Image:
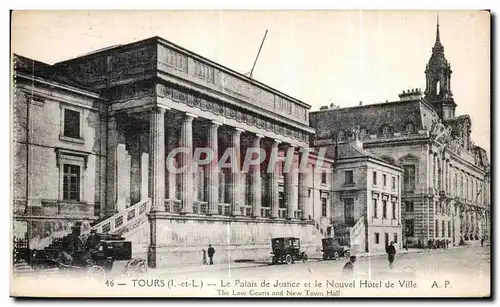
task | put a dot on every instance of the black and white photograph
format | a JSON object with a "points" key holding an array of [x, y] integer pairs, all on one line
{"points": [[250, 153]]}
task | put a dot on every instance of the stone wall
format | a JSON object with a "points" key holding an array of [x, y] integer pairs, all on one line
{"points": [[180, 239]]}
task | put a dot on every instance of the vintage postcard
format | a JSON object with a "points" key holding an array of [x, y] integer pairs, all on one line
{"points": [[250, 154]]}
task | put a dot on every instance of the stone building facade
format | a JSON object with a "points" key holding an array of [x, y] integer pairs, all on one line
{"points": [[97, 138], [367, 197], [445, 182]]}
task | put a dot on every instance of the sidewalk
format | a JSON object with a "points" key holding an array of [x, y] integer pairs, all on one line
{"points": [[313, 258], [204, 268], [412, 251]]}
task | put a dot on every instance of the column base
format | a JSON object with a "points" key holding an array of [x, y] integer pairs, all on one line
{"points": [[152, 256], [157, 209]]}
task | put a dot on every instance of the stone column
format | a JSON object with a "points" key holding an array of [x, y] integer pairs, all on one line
{"points": [[186, 142], [235, 173], [152, 241], [432, 170], [291, 184], [256, 181], [111, 166], [273, 182], [135, 171], [213, 170], [157, 159], [304, 194]]}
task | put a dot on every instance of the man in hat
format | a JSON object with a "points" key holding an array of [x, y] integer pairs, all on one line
{"points": [[391, 252], [211, 252], [348, 270]]}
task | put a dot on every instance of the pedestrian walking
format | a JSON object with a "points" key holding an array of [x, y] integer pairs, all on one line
{"points": [[391, 252], [204, 257], [211, 252], [348, 270]]}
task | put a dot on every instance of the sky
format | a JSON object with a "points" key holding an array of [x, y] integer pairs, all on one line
{"points": [[319, 57]]}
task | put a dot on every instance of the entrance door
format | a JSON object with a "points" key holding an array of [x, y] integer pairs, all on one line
{"points": [[349, 212]]}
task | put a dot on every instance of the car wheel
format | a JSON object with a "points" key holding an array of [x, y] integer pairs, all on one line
{"points": [[336, 255], [304, 258], [288, 259], [96, 271], [325, 256]]}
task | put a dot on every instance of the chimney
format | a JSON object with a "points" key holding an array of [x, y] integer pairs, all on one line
{"points": [[411, 94]]}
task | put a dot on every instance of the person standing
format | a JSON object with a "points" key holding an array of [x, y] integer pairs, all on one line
{"points": [[348, 270], [211, 252], [204, 257], [391, 252]]}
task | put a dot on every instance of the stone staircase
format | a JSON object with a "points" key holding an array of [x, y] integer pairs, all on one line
{"points": [[355, 235], [125, 221]]}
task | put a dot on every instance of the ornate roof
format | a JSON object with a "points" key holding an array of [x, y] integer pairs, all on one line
{"points": [[369, 119]]}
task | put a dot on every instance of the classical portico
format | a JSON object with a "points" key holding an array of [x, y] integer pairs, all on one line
{"points": [[164, 122]]}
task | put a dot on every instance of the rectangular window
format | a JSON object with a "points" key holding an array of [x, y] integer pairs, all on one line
{"points": [[374, 178], [394, 183], [461, 186], [449, 229], [442, 229], [71, 182], [384, 208], [395, 238], [409, 177], [71, 123], [348, 177], [384, 180], [437, 228], [455, 182], [410, 228], [375, 209], [394, 210], [323, 206], [323, 177], [386, 239], [409, 206], [377, 238]]}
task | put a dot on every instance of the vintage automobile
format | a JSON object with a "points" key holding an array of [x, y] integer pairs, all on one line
{"points": [[333, 248], [287, 250]]}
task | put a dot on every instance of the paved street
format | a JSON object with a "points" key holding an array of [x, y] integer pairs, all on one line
{"points": [[471, 260], [462, 271]]}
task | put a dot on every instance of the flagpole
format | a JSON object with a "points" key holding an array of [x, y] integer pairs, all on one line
{"points": [[257, 57]]}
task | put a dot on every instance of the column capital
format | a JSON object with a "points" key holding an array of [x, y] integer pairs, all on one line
{"points": [[190, 116], [216, 123], [159, 109], [258, 135], [236, 129], [276, 141]]}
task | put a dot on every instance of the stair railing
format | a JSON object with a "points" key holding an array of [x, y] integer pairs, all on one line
{"points": [[123, 219], [357, 227]]}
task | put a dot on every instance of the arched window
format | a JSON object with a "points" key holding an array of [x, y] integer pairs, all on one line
{"points": [[410, 128], [385, 130], [438, 87], [362, 133]]}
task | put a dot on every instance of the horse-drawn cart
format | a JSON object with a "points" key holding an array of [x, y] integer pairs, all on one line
{"points": [[92, 256]]}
